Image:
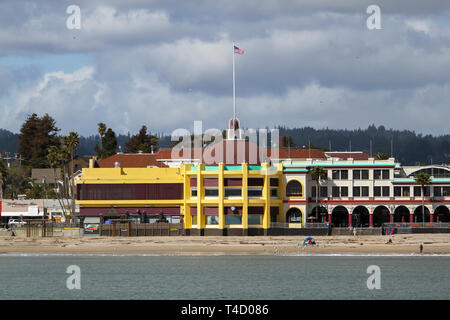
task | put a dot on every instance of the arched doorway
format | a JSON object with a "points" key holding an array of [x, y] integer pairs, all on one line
{"points": [[380, 216], [360, 217], [442, 214], [418, 217], [294, 215], [323, 212], [339, 217], [401, 214]]}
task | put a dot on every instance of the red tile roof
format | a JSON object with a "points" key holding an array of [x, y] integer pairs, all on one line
{"points": [[131, 160], [211, 155]]}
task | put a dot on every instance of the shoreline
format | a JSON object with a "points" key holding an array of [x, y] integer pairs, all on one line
{"points": [[402, 244]]}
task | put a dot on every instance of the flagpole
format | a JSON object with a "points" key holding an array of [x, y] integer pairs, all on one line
{"points": [[234, 92]]}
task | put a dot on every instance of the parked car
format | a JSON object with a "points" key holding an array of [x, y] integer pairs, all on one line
{"points": [[16, 222]]}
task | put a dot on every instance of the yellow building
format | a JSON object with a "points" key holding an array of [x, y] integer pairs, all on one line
{"points": [[208, 200]]}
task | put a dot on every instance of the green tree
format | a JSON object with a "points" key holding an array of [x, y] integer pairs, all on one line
{"points": [[55, 158], [423, 179], [69, 147], [141, 142], [382, 156], [3, 176], [318, 173], [36, 136], [108, 142], [17, 182]]}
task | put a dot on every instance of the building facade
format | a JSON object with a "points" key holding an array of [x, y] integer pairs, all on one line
{"points": [[241, 199]]}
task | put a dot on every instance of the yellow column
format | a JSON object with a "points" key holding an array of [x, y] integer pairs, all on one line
{"points": [[221, 197], [266, 194], [187, 195], [280, 217], [200, 196], [244, 196]]}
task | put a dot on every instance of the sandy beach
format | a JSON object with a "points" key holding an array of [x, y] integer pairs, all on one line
{"points": [[401, 244]]}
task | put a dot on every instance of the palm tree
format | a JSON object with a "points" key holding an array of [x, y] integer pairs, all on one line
{"points": [[423, 179], [318, 173], [70, 144], [54, 160], [101, 129]]}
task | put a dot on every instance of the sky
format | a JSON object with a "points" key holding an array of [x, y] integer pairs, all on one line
{"points": [[165, 64]]}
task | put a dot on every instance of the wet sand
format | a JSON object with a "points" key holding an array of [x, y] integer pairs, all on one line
{"points": [[401, 244]]}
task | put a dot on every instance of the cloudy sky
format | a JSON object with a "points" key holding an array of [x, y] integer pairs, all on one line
{"points": [[167, 63]]}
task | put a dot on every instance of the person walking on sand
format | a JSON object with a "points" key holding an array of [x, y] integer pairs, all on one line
{"points": [[354, 231], [421, 248]]}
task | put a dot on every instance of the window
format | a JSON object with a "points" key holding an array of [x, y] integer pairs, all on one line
{"points": [[446, 191], [377, 174], [344, 191], [356, 174], [194, 220], [437, 191], [335, 192], [335, 174], [386, 192], [364, 191], [254, 219], [406, 191], [274, 192], [233, 219], [356, 191], [213, 220], [194, 192], [255, 192], [323, 192], [417, 192], [294, 189], [211, 192], [233, 192], [386, 174], [365, 174], [339, 174], [377, 191], [401, 192]]}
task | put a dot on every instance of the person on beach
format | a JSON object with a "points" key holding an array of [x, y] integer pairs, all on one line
{"points": [[421, 248]]}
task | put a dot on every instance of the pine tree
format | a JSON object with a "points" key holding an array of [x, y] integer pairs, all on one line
{"points": [[141, 142], [36, 136]]}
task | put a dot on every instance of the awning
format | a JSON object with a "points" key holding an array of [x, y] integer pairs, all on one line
{"points": [[92, 220]]}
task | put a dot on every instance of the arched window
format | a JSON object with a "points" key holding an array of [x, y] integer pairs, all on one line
{"points": [[294, 189], [294, 215]]}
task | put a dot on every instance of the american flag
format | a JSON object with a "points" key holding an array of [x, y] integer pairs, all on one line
{"points": [[238, 51]]}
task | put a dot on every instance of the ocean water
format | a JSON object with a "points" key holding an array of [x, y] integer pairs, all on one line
{"points": [[224, 277]]}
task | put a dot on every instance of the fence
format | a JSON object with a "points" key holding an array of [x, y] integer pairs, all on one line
{"points": [[132, 229], [417, 225], [39, 228], [298, 225]]}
